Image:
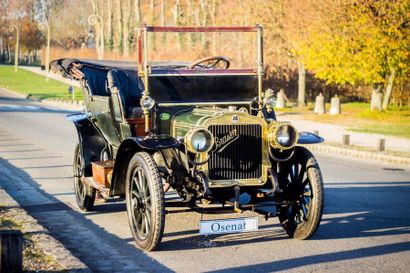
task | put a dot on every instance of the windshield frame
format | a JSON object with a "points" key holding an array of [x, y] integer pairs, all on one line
{"points": [[145, 71]]}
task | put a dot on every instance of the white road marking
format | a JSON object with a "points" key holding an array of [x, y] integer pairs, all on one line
{"points": [[31, 107], [9, 106], [25, 107], [50, 108]]}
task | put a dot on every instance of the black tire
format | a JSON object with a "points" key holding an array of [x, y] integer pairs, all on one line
{"points": [[145, 201], [84, 195], [301, 181]]}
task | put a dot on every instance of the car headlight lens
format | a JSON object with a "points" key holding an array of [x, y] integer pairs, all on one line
{"points": [[199, 140], [147, 102], [282, 136]]}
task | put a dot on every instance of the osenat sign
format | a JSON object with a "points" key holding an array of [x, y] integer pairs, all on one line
{"points": [[228, 225]]}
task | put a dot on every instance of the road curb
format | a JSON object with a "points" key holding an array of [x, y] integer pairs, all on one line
{"points": [[47, 243], [384, 157]]}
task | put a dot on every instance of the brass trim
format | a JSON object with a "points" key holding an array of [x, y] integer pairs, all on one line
{"points": [[272, 132], [244, 119], [188, 138], [260, 64]]}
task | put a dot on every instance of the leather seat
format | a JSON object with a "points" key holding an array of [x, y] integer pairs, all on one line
{"points": [[129, 87]]}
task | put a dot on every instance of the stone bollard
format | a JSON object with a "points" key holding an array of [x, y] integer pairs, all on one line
{"points": [[281, 103], [346, 140], [11, 251], [381, 145], [376, 102], [335, 106], [320, 105]]}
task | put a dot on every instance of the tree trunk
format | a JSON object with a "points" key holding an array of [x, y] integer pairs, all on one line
{"points": [[163, 21], [137, 23], [376, 101], [204, 22], [99, 31], [177, 21], [240, 51], [137, 10], [117, 26], [213, 14], [389, 89], [152, 20], [110, 39], [8, 54], [301, 85], [126, 10], [190, 21]]}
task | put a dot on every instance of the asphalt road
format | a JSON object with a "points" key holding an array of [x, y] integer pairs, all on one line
{"points": [[365, 228]]}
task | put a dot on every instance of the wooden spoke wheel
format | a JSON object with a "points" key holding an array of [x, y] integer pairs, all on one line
{"points": [[302, 184], [145, 201], [84, 195]]}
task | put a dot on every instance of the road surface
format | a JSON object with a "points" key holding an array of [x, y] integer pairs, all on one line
{"points": [[365, 227]]}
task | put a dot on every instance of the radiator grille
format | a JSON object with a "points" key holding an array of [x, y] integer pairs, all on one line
{"points": [[240, 157]]}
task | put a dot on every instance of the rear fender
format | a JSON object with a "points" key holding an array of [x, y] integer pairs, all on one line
{"points": [[126, 151], [309, 138], [92, 143]]}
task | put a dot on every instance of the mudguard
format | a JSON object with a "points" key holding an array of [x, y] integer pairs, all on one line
{"points": [[127, 150], [92, 143], [309, 138]]}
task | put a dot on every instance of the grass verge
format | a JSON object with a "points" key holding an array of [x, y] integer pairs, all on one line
{"points": [[33, 85], [358, 117]]}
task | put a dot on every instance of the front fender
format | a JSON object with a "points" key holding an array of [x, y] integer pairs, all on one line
{"points": [[309, 138], [126, 151], [92, 143]]}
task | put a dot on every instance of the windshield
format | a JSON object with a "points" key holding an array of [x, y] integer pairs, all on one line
{"points": [[201, 48]]}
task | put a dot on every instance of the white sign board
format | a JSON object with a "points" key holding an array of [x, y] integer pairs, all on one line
{"points": [[233, 225]]}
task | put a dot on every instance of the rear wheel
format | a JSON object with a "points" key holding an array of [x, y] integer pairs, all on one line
{"points": [[84, 195], [145, 201], [302, 184]]}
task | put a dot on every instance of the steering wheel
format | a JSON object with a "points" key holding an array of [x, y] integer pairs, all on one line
{"points": [[212, 62]]}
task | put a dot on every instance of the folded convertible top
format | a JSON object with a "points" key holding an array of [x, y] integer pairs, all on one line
{"points": [[69, 67]]}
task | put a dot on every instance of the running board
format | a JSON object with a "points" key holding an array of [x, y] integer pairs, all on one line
{"points": [[89, 181]]}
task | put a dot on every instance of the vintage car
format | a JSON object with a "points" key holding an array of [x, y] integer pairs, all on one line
{"points": [[203, 129]]}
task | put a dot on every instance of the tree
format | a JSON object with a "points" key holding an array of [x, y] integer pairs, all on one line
{"points": [[356, 41], [31, 37]]}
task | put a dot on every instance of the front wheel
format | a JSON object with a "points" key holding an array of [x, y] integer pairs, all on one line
{"points": [[145, 201], [302, 184], [84, 195]]}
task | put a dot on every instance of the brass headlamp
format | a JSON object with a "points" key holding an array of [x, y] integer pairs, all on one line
{"points": [[282, 136], [199, 140]]}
